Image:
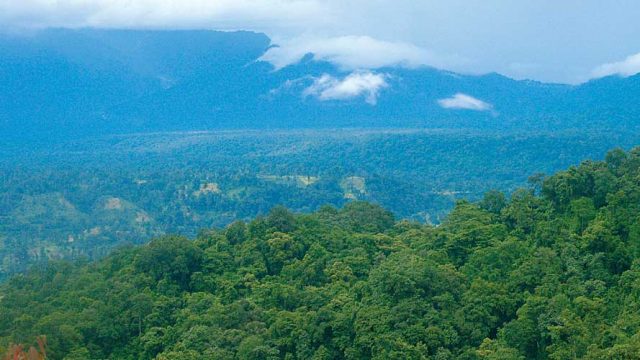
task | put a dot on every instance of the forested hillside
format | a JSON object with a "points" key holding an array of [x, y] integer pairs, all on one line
{"points": [[551, 273], [83, 199]]}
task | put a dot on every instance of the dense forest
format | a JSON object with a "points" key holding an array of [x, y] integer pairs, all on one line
{"points": [[83, 198], [552, 272]]}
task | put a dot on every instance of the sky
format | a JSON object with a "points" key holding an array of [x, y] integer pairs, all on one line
{"points": [[567, 41]]}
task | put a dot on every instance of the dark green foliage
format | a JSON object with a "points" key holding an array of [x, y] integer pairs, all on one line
{"points": [[365, 217], [83, 198], [494, 201], [171, 259], [550, 276]]}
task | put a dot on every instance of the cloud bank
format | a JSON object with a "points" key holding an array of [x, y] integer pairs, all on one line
{"points": [[357, 84], [191, 14], [355, 52], [627, 67], [464, 102], [560, 41]]}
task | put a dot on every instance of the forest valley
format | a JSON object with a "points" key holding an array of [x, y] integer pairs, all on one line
{"points": [[550, 272]]}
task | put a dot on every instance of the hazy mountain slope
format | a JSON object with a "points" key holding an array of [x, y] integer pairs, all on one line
{"points": [[62, 83]]}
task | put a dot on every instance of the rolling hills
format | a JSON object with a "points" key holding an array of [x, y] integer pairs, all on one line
{"points": [[552, 273]]}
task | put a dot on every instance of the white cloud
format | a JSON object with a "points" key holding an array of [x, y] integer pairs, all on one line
{"points": [[354, 52], [287, 22], [218, 14], [356, 84], [627, 67], [464, 102], [469, 36]]}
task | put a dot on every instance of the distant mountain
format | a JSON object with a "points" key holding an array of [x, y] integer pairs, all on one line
{"points": [[71, 83]]}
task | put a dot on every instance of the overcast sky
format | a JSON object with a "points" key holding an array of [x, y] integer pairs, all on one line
{"points": [[548, 40]]}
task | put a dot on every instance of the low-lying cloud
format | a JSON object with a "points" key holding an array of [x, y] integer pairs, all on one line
{"points": [[464, 102], [355, 52], [357, 84], [627, 67], [467, 36]]}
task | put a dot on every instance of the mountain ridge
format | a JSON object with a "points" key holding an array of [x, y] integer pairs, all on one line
{"points": [[94, 82]]}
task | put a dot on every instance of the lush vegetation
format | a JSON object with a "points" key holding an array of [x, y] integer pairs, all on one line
{"points": [[551, 273], [83, 198]]}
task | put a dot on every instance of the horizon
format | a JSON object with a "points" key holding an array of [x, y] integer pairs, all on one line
{"points": [[319, 179], [588, 39], [310, 55]]}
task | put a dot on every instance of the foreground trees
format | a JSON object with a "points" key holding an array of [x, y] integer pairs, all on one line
{"points": [[554, 276]]}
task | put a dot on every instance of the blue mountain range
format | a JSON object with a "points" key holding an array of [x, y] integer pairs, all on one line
{"points": [[61, 84]]}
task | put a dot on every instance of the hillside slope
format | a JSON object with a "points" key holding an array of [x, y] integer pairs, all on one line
{"points": [[53, 201], [549, 276]]}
